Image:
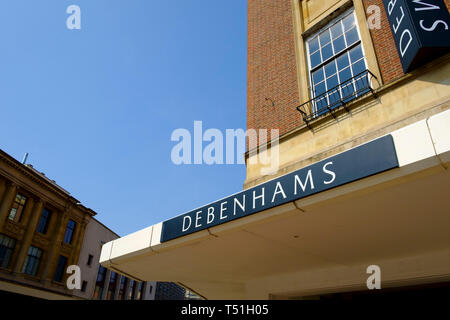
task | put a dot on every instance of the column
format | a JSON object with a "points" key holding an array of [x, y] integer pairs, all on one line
{"points": [[116, 291], [2, 188], [57, 234], [7, 202], [136, 290], [127, 289], [29, 233], [145, 291], [106, 284], [79, 237]]}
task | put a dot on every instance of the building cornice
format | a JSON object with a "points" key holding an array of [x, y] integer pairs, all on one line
{"points": [[42, 181]]}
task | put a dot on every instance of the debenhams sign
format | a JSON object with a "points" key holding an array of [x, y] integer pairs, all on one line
{"points": [[363, 161], [420, 28]]}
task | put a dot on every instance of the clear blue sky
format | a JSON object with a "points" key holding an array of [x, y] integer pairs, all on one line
{"points": [[95, 107]]}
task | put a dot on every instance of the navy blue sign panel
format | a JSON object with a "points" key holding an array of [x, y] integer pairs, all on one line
{"points": [[421, 30], [363, 161]]}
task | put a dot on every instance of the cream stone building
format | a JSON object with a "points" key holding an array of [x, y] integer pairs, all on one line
{"points": [[41, 231], [364, 153]]}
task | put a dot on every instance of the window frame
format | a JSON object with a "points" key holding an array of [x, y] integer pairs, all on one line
{"points": [[6, 250], [45, 222], [71, 230], [334, 57], [30, 261], [99, 283], [131, 293], [140, 294], [18, 217], [84, 286], [123, 288], [90, 259], [112, 285], [60, 269]]}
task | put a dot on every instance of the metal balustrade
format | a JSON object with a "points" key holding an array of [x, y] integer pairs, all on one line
{"points": [[337, 97]]}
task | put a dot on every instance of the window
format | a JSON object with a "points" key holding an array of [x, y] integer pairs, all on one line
{"points": [[69, 231], [7, 245], [15, 214], [90, 257], [335, 57], [123, 286], [44, 221], [60, 269], [111, 286], [32, 262], [100, 283], [140, 293], [132, 290], [84, 286]]}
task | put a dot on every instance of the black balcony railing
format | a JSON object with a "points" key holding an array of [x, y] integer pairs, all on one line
{"points": [[337, 97]]}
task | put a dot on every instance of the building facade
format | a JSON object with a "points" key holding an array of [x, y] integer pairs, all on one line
{"points": [[44, 230], [41, 231], [360, 93], [99, 283]]}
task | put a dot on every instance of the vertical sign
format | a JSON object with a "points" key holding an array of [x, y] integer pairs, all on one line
{"points": [[420, 29]]}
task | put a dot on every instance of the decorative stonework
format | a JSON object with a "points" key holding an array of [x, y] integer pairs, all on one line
{"points": [[14, 229], [66, 248], [41, 240]]}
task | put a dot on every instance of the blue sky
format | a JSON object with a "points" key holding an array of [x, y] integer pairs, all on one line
{"points": [[95, 107]]}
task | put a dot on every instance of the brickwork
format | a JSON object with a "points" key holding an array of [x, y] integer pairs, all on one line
{"points": [[272, 67]]}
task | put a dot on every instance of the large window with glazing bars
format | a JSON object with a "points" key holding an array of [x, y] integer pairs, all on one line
{"points": [[15, 214], [32, 262], [335, 61]]}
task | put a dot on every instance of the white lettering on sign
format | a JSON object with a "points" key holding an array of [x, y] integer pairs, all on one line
{"points": [[399, 21], [185, 228], [197, 219], [222, 210], [304, 185], [391, 6], [240, 204], [433, 27], [403, 47], [426, 6], [331, 173], [279, 193], [210, 215], [278, 190], [255, 197]]}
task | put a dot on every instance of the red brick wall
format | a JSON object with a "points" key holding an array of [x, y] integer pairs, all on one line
{"points": [[271, 67], [385, 49]]}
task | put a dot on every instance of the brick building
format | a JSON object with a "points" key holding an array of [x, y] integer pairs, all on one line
{"points": [[359, 91]]}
